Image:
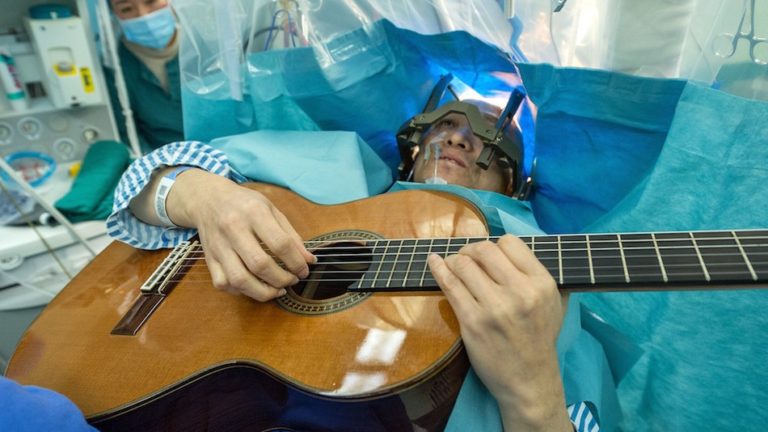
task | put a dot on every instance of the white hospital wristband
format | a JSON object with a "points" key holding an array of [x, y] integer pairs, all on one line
{"points": [[161, 194]]}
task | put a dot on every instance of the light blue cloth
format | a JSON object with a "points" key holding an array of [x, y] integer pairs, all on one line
{"points": [[706, 366], [309, 163], [592, 126], [619, 153], [316, 160]]}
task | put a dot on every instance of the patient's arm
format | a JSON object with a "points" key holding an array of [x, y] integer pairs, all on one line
{"points": [[510, 313], [231, 221]]}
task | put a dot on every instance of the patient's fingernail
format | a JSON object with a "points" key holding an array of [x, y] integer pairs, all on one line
{"points": [[304, 273]]}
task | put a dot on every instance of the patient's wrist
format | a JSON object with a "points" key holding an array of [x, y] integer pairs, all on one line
{"points": [[193, 191], [549, 414], [536, 402], [165, 184]]}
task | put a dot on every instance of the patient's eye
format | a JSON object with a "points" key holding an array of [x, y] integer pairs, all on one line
{"points": [[446, 123]]}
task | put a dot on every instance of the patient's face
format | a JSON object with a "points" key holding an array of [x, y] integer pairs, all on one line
{"points": [[460, 149]]}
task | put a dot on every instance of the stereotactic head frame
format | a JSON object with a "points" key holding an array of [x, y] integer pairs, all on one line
{"points": [[502, 144]]}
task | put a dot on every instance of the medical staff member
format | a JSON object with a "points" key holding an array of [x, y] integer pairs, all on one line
{"points": [[148, 52], [35, 409], [507, 304]]}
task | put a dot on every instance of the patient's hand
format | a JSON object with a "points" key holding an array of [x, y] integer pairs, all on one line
{"points": [[232, 221], [510, 313]]}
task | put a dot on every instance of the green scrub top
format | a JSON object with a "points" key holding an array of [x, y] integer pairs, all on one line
{"points": [[157, 113]]}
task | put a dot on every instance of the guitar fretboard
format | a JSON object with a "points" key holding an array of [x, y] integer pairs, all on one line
{"points": [[634, 261]]}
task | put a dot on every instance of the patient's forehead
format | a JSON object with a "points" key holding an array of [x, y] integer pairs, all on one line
{"points": [[490, 111], [486, 108]]}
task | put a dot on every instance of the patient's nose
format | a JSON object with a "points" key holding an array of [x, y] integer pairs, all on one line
{"points": [[460, 138]]}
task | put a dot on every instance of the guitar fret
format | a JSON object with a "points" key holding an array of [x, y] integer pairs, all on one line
{"points": [[424, 270], [722, 256], [394, 264], [756, 246], [455, 244], [560, 260], [412, 245], [421, 251], [642, 265], [382, 258], [589, 257], [576, 267], [661, 262], [360, 281], [605, 254], [623, 259], [744, 255], [679, 254], [546, 252], [701, 258]]}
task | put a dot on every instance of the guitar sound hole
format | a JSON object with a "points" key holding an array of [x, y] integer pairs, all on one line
{"points": [[338, 266]]}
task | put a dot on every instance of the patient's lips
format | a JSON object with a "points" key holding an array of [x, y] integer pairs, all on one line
{"points": [[446, 156]]}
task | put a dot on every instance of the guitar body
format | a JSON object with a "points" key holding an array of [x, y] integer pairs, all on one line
{"points": [[208, 360]]}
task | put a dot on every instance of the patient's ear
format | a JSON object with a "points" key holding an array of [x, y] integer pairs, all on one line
{"points": [[509, 177]]}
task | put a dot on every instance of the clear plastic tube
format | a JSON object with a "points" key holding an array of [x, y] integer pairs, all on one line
{"points": [[433, 148]]}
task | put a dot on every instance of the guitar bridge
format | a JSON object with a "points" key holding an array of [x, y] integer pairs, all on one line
{"points": [[160, 282], [155, 289]]}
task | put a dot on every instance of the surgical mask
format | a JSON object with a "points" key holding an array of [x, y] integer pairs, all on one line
{"points": [[153, 30]]}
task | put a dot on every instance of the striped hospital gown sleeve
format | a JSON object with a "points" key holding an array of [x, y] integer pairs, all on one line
{"points": [[124, 226], [582, 418]]}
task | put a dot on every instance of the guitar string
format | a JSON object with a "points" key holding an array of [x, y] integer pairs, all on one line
{"points": [[594, 238], [198, 254], [618, 271], [750, 248], [565, 240], [418, 260], [406, 277], [540, 247], [419, 255], [636, 273], [430, 281]]}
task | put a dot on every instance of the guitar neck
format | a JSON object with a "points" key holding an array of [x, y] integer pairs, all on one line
{"points": [[596, 262]]}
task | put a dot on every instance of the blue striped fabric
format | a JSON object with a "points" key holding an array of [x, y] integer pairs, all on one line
{"points": [[582, 418], [124, 226]]}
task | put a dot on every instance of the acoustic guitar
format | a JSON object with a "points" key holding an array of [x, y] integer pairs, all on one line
{"points": [[141, 341]]}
